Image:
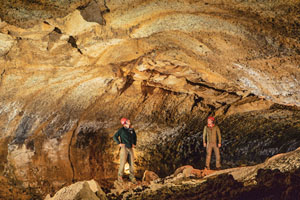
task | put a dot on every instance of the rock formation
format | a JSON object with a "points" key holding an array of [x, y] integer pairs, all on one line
{"points": [[69, 70], [277, 178], [149, 176], [84, 190]]}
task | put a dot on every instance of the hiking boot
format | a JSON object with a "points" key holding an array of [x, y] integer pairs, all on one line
{"points": [[132, 179], [120, 178]]}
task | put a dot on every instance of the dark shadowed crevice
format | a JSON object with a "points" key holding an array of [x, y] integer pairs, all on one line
{"points": [[57, 30], [197, 100], [107, 10], [209, 87], [1, 77], [72, 41], [30, 145], [226, 108], [212, 108], [69, 152], [146, 90], [129, 81]]}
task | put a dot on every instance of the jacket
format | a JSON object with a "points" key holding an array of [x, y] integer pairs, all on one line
{"points": [[127, 136], [211, 135]]}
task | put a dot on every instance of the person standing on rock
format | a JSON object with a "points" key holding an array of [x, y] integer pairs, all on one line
{"points": [[212, 141], [126, 139]]}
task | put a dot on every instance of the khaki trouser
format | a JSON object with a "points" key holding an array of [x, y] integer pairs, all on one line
{"points": [[126, 154], [209, 149]]}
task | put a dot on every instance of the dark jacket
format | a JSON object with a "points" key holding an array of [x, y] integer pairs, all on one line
{"points": [[126, 135]]}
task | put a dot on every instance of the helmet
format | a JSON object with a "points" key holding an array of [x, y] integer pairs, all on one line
{"points": [[211, 118], [123, 121]]}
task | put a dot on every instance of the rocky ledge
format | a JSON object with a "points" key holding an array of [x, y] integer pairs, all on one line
{"points": [[276, 178]]}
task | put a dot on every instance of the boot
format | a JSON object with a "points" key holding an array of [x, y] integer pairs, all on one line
{"points": [[132, 179], [120, 178]]}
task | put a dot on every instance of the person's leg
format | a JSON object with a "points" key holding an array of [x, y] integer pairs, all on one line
{"points": [[208, 155], [218, 158], [123, 159], [131, 164]]}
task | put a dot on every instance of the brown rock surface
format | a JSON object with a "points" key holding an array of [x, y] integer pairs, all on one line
{"points": [[149, 176], [181, 169], [67, 77], [84, 190], [277, 178], [189, 171]]}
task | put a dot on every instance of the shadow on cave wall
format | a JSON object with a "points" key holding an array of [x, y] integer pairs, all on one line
{"points": [[91, 155]]}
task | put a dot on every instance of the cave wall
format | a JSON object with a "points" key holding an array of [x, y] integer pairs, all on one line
{"points": [[68, 76]]}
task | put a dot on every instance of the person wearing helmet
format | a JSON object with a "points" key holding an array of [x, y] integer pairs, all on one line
{"points": [[125, 137], [212, 141]]}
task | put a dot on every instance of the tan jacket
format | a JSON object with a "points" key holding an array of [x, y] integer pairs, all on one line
{"points": [[211, 135]]}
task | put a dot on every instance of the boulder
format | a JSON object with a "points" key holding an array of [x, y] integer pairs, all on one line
{"points": [[83, 190], [189, 171], [6, 42], [181, 169], [149, 176]]}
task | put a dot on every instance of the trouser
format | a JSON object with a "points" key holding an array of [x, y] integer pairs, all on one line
{"points": [[126, 154], [209, 149]]}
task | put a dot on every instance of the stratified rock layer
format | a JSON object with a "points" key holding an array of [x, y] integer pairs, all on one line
{"points": [[67, 76]]}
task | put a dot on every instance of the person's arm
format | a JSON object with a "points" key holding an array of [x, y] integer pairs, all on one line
{"points": [[134, 138], [116, 136], [219, 137], [204, 136]]}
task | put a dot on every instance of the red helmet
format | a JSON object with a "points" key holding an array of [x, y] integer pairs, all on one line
{"points": [[123, 121], [211, 118]]}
